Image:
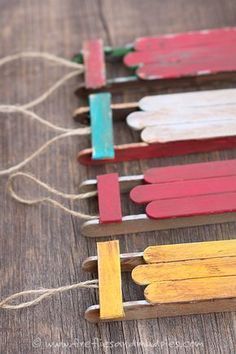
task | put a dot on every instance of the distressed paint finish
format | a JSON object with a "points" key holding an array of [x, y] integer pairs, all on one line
{"points": [[101, 126], [109, 273], [198, 268], [189, 290], [184, 54], [109, 198], [94, 62], [189, 251]]}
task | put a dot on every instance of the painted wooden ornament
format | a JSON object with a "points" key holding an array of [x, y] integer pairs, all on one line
{"points": [[170, 124], [161, 58], [172, 197], [181, 279]]}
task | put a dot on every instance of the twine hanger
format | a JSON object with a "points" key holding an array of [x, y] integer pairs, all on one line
{"points": [[43, 294], [24, 109]]}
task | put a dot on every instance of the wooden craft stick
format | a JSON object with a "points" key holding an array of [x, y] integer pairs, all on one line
{"points": [[181, 189], [192, 206], [190, 171], [94, 61], [109, 198], [190, 251], [196, 99], [187, 269], [194, 131], [186, 39], [189, 54], [139, 151], [182, 116], [101, 126], [142, 223], [109, 272], [138, 310], [189, 290]]}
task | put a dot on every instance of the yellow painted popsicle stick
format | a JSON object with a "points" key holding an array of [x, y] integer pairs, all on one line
{"points": [[215, 267], [187, 251], [190, 290], [109, 272]]}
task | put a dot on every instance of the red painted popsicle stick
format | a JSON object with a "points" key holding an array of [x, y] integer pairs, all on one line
{"points": [[109, 198], [150, 192], [191, 172], [94, 62], [140, 151], [186, 40], [192, 206], [185, 54]]}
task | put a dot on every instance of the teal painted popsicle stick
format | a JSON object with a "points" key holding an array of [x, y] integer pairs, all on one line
{"points": [[101, 126]]}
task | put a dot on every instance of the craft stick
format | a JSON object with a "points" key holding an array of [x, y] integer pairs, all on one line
{"points": [[182, 189], [189, 206], [101, 126], [185, 55], [194, 131], [127, 260], [109, 272], [142, 151], [94, 61], [190, 251], [187, 290], [169, 253], [138, 310], [109, 198], [126, 184], [187, 269], [193, 171], [186, 39], [119, 111], [184, 116], [142, 223], [195, 99]]}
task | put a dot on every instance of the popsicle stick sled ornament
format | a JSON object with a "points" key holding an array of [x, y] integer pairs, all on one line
{"points": [[170, 124], [160, 59], [172, 197], [181, 279]]}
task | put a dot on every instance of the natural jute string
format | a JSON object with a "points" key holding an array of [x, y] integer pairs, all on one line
{"points": [[24, 109], [45, 293], [49, 200]]}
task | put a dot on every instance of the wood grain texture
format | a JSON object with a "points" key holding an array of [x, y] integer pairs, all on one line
{"points": [[109, 276], [43, 247]]}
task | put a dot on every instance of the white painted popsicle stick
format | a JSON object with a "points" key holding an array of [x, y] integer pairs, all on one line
{"points": [[194, 131], [183, 115], [188, 99]]}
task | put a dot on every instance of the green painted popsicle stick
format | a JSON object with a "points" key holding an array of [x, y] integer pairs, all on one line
{"points": [[101, 126]]}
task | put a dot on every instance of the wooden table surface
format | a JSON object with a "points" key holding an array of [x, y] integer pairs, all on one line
{"points": [[42, 246]]}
